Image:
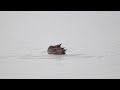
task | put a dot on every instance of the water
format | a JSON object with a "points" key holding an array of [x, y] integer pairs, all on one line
{"points": [[36, 63], [92, 40]]}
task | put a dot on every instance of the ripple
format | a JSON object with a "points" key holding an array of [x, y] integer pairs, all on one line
{"points": [[42, 54], [52, 56]]}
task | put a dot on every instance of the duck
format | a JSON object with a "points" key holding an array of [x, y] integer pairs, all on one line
{"points": [[56, 49]]}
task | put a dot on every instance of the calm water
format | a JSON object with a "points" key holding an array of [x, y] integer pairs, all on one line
{"points": [[32, 62], [92, 40]]}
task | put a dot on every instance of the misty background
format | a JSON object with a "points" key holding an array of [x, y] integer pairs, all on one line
{"points": [[93, 36]]}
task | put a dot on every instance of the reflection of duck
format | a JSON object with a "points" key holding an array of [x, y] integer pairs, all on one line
{"points": [[56, 49]]}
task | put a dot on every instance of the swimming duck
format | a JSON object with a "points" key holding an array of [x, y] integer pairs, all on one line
{"points": [[56, 49]]}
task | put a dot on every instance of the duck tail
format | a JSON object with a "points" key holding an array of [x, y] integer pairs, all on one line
{"points": [[60, 44]]}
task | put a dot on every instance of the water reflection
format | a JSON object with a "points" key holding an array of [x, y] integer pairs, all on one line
{"points": [[57, 57], [42, 54]]}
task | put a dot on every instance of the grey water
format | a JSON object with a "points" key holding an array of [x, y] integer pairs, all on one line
{"points": [[92, 40]]}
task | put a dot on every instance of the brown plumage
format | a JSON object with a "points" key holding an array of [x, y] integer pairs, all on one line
{"points": [[56, 49]]}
